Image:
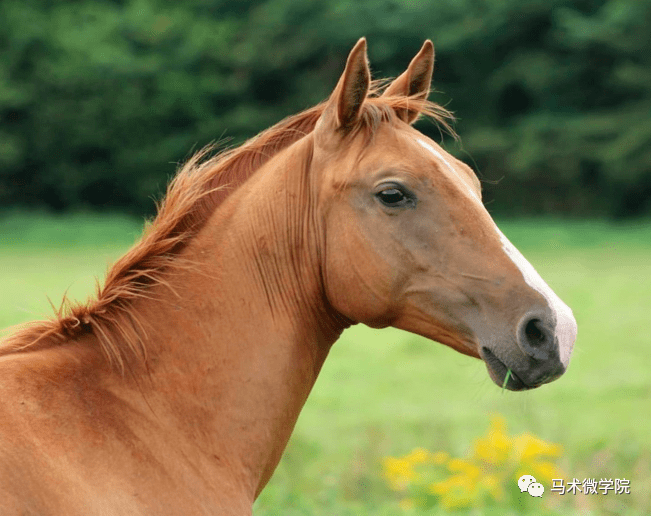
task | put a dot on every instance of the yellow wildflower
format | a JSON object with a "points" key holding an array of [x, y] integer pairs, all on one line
{"points": [[465, 467], [530, 447], [398, 472], [496, 446], [418, 456], [456, 492], [485, 477]]}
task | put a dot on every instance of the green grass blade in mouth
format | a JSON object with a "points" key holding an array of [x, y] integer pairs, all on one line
{"points": [[506, 379]]}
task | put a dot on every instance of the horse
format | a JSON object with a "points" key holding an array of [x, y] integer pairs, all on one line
{"points": [[175, 388]]}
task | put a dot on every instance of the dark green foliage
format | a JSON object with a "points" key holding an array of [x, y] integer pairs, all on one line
{"points": [[100, 99]]}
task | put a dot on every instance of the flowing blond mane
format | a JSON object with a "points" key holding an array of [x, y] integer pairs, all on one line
{"points": [[192, 196]]}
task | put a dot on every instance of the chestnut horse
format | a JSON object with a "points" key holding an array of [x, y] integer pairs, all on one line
{"points": [[175, 389]]}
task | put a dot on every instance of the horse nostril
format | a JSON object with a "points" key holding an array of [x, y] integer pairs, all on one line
{"points": [[535, 339], [534, 332]]}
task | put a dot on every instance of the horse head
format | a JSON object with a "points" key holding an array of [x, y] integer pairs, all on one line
{"points": [[408, 242]]}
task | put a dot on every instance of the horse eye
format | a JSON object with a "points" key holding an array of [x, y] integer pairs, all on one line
{"points": [[392, 197]]}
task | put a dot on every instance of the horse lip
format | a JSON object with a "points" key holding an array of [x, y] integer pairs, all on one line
{"points": [[498, 370]]}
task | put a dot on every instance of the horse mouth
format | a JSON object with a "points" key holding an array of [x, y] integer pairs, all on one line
{"points": [[498, 371]]}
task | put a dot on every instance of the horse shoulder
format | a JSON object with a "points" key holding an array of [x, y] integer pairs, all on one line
{"points": [[49, 451], [72, 443]]}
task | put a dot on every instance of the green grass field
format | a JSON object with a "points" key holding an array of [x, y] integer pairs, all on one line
{"points": [[386, 392]]}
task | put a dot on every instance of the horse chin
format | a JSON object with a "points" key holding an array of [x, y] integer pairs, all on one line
{"points": [[498, 370]]}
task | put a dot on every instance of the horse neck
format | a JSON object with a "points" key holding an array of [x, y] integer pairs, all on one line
{"points": [[237, 340]]}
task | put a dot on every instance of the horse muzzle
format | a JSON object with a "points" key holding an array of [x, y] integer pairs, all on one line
{"points": [[541, 355]]}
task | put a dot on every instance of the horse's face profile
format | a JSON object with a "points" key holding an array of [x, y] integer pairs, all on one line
{"points": [[404, 223]]}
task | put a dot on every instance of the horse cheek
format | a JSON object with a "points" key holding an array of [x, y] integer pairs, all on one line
{"points": [[358, 281]]}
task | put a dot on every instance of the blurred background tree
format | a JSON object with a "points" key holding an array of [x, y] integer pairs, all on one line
{"points": [[99, 100]]}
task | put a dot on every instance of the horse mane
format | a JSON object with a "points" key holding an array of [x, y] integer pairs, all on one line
{"points": [[196, 191]]}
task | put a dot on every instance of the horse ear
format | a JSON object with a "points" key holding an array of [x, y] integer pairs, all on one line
{"points": [[350, 92], [415, 81]]}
